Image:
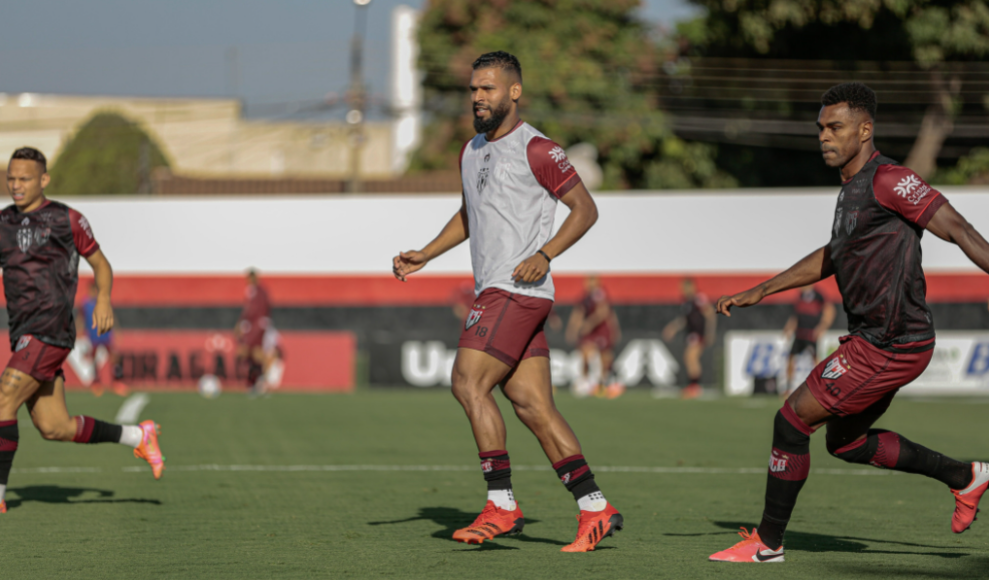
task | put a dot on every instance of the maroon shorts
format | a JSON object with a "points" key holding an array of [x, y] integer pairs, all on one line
{"points": [[43, 362], [858, 375], [507, 326], [251, 333], [599, 337]]}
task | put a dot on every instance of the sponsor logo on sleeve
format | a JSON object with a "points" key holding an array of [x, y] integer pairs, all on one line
{"points": [[912, 189], [560, 158], [84, 224]]}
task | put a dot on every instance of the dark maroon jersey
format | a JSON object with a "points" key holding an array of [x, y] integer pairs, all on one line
{"points": [[591, 302], [39, 254], [808, 309], [257, 307], [875, 247], [693, 312]]}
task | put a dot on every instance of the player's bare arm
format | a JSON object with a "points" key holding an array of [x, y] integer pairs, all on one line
{"points": [[583, 215], [815, 267], [103, 312], [454, 233], [673, 327], [575, 324], [950, 226]]}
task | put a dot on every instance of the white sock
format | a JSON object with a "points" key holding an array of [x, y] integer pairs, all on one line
{"points": [[3, 490], [503, 498], [131, 435], [592, 502]]}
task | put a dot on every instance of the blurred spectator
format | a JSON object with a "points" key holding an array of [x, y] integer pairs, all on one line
{"points": [[593, 327], [812, 317], [697, 317]]}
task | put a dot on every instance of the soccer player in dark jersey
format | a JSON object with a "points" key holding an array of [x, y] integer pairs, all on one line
{"points": [[698, 319], [513, 178], [593, 327], [40, 244], [812, 317], [874, 255], [249, 332]]}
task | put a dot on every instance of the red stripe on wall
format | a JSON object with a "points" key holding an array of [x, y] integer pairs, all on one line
{"points": [[426, 290]]}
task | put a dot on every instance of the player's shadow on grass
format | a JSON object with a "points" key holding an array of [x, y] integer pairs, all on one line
{"points": [[811, 542], [453, 519], [71, 495]]}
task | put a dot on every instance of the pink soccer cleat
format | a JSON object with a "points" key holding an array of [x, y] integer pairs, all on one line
{"points": [[750, 549], [148, 450], [967, 500]]}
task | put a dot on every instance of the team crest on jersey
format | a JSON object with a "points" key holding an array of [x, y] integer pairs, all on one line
{"points": [[837, 221], [25, 237], [474, 317], [853, 220], [22, 343], [833, 370], [482, 179]]}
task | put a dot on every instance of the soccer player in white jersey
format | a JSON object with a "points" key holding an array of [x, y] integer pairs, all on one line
{"points": [[513, 177]]}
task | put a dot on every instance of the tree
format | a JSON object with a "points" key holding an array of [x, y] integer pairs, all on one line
{"points": [[930, 32], [108, 155], [587, 68]]}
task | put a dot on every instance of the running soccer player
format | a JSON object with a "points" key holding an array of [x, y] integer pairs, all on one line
{"points": [[40, 244], [249, 332], [512, 178], [699, 320], [874, 254], [812, 317], [593, 327], [100, 342]]}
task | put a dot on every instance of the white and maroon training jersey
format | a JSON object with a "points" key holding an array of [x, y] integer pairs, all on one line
{"points": [[511, 186]]}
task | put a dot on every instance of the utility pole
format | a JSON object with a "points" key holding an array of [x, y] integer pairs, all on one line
{"points": [[357, 96]]}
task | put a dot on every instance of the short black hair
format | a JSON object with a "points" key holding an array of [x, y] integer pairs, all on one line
{"points": [[31, 154], [858, 96], [499, 59]]}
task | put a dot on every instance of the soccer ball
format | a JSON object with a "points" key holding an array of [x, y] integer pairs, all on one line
{"points": [[209, 386]]}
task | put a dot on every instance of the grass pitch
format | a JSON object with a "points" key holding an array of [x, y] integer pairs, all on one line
{"points": [[96, 516]]}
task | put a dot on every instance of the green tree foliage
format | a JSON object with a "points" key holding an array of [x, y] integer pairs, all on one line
{"points": [[973, 169], [587, 69], [109, 155]]}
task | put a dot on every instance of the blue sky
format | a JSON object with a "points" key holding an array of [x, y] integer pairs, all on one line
{"points": [[289, 51]]}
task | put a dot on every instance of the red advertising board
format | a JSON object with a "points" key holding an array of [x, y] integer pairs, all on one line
{"points": [[176, 359]]}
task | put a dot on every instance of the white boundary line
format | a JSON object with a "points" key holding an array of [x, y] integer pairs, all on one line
{"points": [[443, 468]]}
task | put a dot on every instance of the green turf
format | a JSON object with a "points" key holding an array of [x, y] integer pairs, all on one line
{"points": [[364, 524]]}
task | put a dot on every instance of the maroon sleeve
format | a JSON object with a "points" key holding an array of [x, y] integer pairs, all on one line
{"points": [[900, 190], [551, 167], [82, 234]]}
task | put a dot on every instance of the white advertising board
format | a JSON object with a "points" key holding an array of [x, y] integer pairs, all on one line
{"points": [[959, 366]]}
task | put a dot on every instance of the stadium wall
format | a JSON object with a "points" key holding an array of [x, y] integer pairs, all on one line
{"points": [[326, 259]]}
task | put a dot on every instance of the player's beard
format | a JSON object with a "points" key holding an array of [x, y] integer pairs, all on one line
{"points": [[498, 115]]}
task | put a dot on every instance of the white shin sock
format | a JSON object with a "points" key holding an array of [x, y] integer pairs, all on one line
{"points": [[503, 498], [592, 502], [131, 435]]}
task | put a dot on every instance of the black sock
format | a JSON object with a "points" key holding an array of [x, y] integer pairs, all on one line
{"points": [[576, 476], [497, 469], [789, 466], [8, 446], [891, 450], [89, 430]]}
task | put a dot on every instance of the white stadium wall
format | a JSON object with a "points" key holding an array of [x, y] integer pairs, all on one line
{"points": [[637, 233]]}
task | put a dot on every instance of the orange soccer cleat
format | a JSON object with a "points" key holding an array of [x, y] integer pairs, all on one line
{"points": [[492, 522], [750, 549], [3, 506], [148, 450], [592, 527], [967, 500]]}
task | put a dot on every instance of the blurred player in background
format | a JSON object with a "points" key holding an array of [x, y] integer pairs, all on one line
{"points": [[698, 319], [593, 327], [100, 346], [512, 179], [40, 245], [875, 256], [255, 318], [812, 317]]}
